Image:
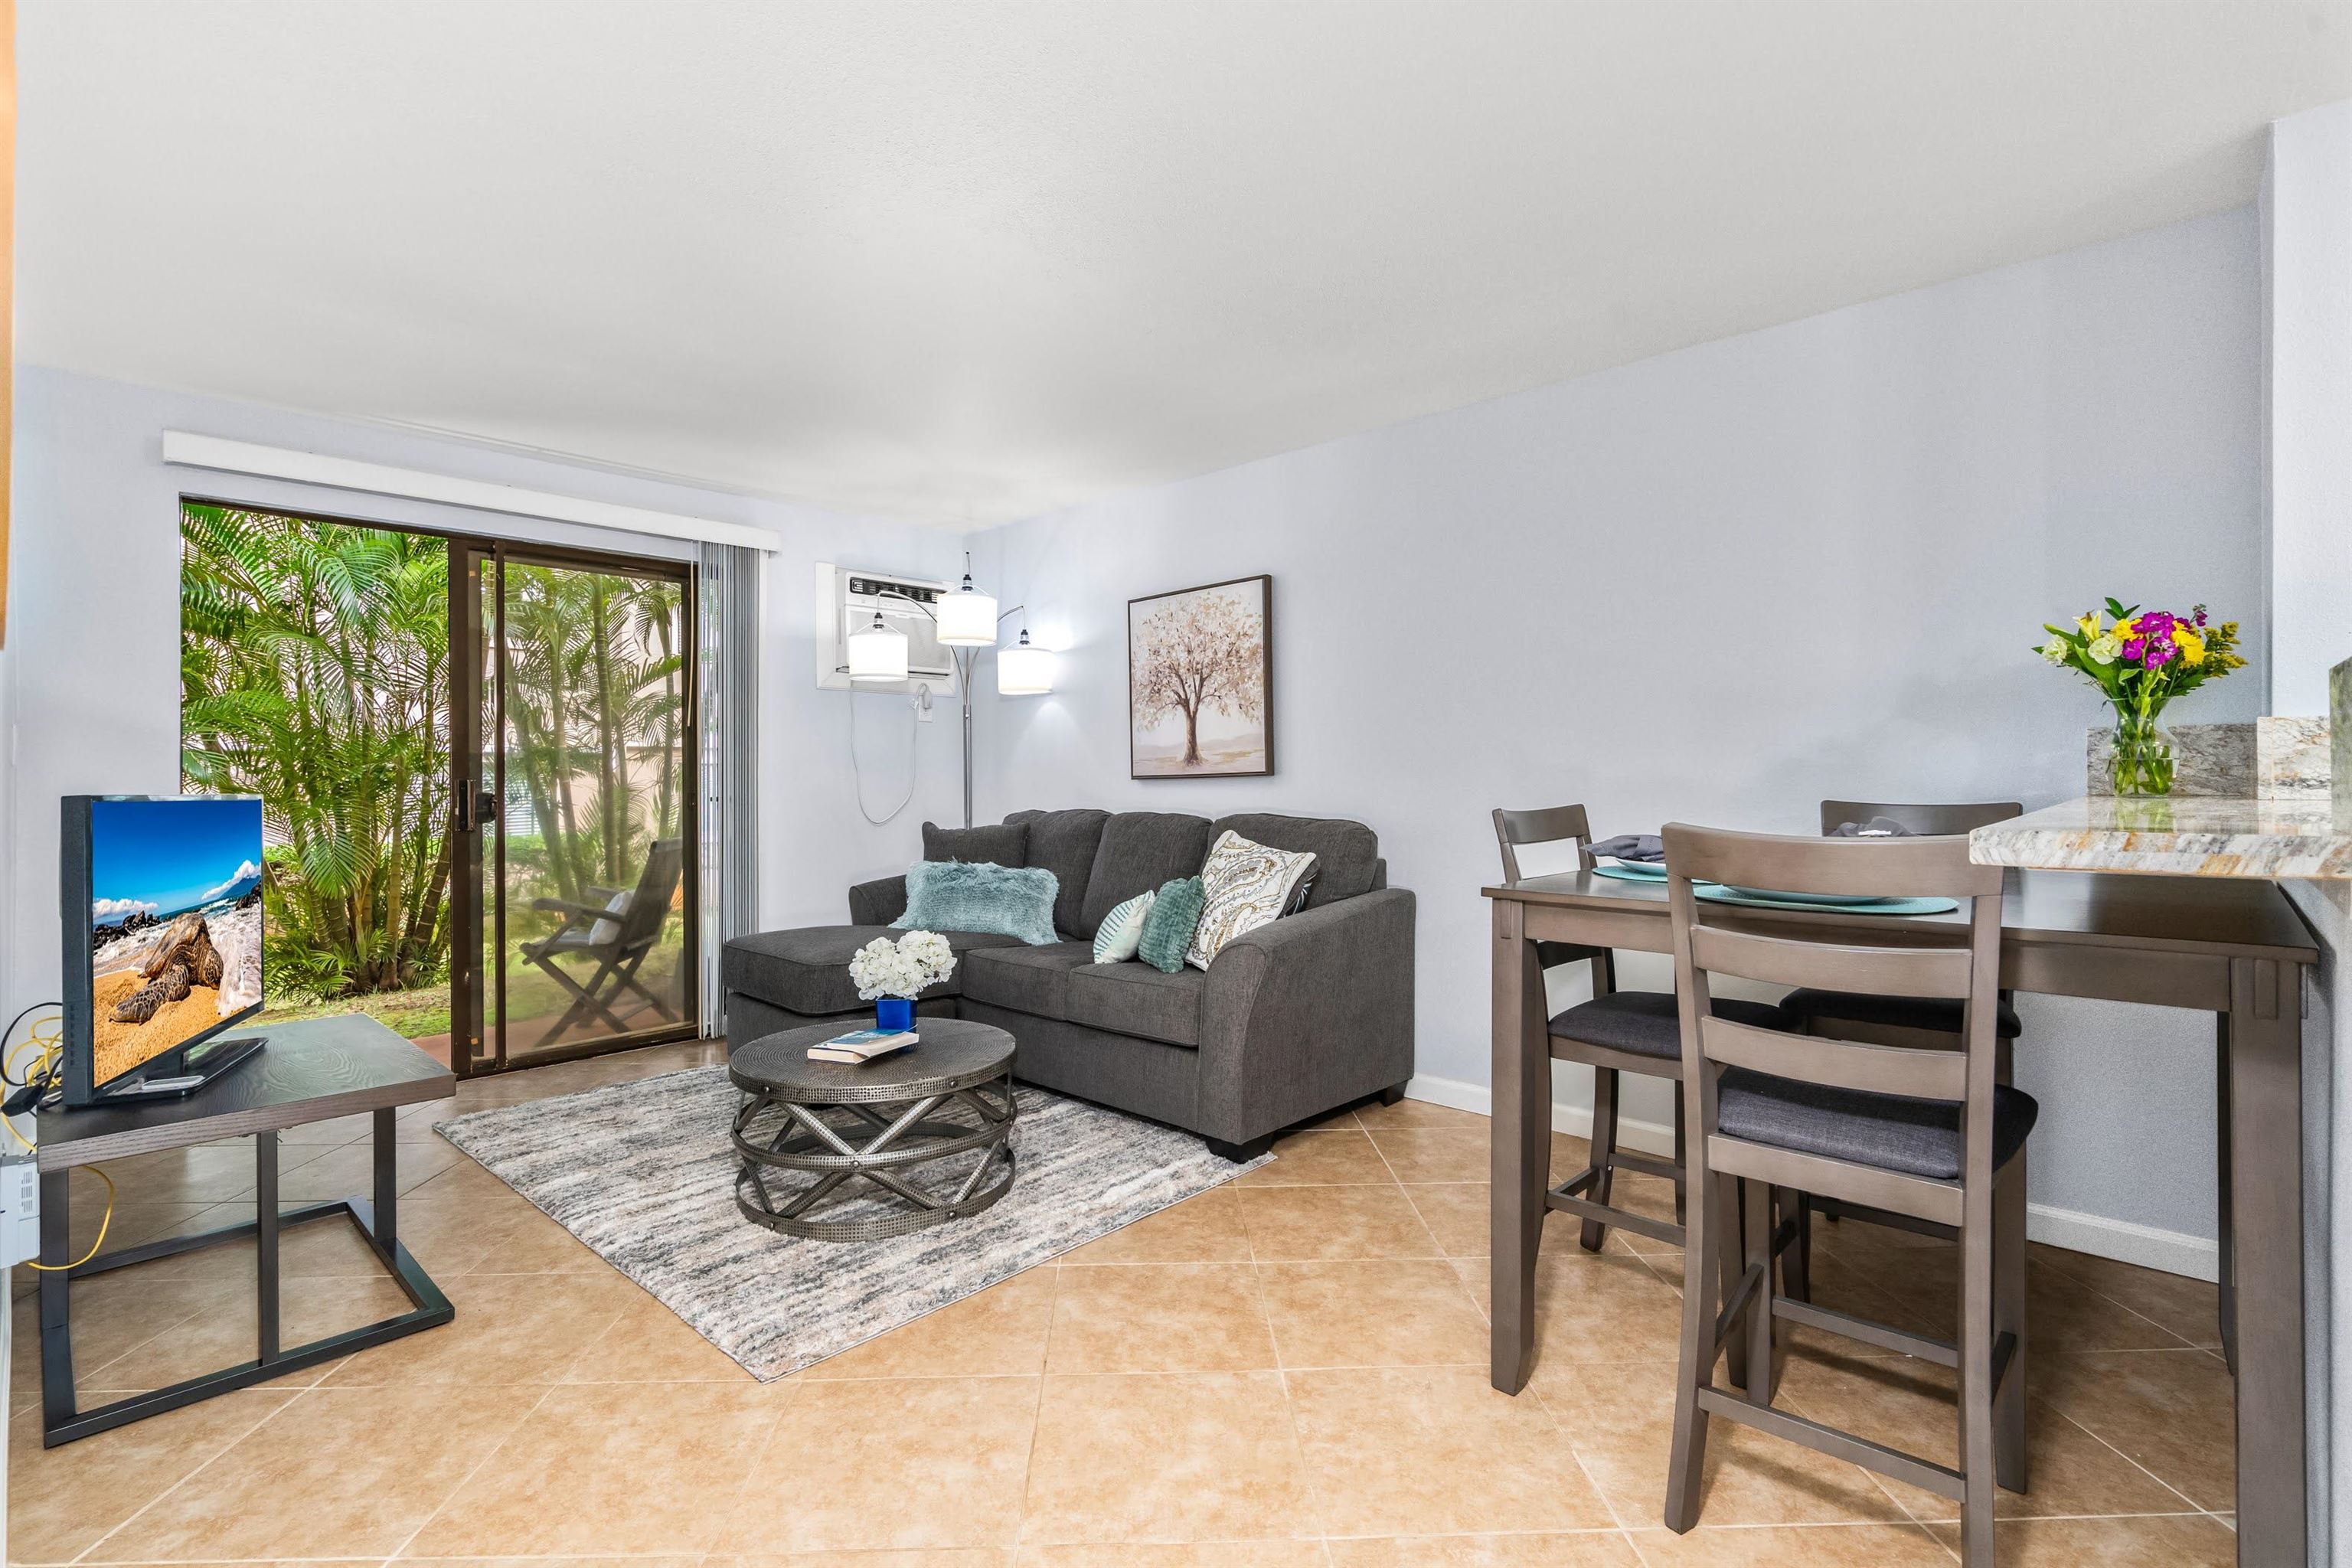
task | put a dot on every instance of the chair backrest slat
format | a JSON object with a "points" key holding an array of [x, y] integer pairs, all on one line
{"points": [[1832, 965], [1840, 1064], [1542, 825], [1961, 816], [1889, 867]]}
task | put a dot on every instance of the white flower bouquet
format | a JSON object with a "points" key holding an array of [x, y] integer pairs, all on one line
{"points": [[907, 967]]}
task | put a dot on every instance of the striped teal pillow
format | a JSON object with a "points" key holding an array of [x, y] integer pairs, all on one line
{"points": [[1122, 930]]}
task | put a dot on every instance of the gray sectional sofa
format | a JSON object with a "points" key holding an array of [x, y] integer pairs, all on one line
{"points": [[1291, 1020]]}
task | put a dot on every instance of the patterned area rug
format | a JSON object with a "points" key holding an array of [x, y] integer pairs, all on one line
{"points": [[645, 1174]]}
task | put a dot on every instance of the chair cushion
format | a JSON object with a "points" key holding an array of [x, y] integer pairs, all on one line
{"points": [[1064, 843], [1136, 999], [1891, 1131], [1349, 852], [1003, 844], [1140, 851], [1648, 1023], [1025, 979], [1941, 1013], [806, 969]]}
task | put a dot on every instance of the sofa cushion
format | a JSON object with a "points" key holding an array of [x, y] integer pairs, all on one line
{"points": [[1136, 999], [1349, 852], [1064, 842], [1244, 886], [807, 970], [1140, 850], [1002, 844], [1025, 979]]}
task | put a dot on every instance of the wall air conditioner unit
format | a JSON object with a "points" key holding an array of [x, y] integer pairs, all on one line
{"points": [[848, 598]]}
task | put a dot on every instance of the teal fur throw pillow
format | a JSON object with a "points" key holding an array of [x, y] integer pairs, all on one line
{"points": [[1000, 900], [1168, 929]]}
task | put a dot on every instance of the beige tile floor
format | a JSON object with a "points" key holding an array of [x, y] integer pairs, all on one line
{"points": [[1285, 1372]]}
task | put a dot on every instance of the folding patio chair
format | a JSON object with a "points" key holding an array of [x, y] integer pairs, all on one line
{"points": [[615, 937]]}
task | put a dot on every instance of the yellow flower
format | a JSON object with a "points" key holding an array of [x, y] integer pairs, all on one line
{"points": [[2192, 646], [2127, 628], [2089, 625]]}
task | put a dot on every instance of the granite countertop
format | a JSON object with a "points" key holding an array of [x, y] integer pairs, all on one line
{"points": [[2283, 835]]}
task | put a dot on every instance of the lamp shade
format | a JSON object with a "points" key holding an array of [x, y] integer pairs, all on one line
{"points": [[877, 653], [967, 617], [1023, 670]]}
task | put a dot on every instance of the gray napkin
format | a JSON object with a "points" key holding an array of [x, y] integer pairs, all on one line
{"points": [[1877, 827], [1645, 848]]}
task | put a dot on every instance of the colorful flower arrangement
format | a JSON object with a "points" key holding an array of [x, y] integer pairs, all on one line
{"points": [[917, 960], [2139, 663]]}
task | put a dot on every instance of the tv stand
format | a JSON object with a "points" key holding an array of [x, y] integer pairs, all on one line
{"points": [[315, 1071]]}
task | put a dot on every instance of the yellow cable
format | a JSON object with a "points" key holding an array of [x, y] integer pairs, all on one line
{"points": [[107, 1219]]}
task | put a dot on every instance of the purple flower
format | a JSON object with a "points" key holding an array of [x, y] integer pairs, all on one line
{"points": [[2134, 649], [2159, 652]]}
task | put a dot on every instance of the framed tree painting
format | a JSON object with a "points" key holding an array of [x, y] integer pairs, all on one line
{"points": [[1200, 681]]}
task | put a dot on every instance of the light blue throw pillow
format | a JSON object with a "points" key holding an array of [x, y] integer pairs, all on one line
{"points": [[1122, 931], [999, 900]]}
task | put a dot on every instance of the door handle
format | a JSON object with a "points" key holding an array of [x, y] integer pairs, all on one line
{"points": [[474, 809]]}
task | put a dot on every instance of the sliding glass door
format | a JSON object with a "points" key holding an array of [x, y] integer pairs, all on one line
{"points": [[574, 762]]}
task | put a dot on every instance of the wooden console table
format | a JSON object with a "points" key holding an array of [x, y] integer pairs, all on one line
{"points": [[314, 1070]]}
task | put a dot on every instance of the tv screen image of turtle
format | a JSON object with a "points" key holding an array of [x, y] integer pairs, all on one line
{"points": [[175, 924]]}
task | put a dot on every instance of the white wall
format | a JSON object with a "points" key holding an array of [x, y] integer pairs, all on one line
{"points": [[1718, 586], [2306, 233], [93, 668]]}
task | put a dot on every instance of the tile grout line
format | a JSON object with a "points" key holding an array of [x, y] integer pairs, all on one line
{"points": [[84, 1554], [1037, 1416], [466, 1479]]}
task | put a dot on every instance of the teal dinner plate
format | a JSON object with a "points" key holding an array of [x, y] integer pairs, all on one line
{"points": [[1838, 900], [1714, 893], [1635, 870]]}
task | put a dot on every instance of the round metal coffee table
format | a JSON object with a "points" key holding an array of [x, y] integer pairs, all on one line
{"points": [[910, 1140]]}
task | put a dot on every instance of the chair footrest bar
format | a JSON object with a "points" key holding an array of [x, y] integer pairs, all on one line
{"points": [[1943, 1353], [1622, 1220], [1647, 1165], [1839, 1208], [1837, 1445]]}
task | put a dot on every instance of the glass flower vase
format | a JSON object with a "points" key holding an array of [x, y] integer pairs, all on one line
{"points": [[2142, 761], [892, 1014]]}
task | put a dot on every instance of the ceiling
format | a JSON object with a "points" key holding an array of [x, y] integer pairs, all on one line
{"points": [[973, 262]]}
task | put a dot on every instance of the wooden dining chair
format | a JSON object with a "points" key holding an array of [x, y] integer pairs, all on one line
{"points": [[1924, 1022], [1616, 1032], [1926, 1133]]}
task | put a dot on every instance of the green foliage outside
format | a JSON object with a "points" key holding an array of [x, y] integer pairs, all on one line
{"points": [[315, 673]]}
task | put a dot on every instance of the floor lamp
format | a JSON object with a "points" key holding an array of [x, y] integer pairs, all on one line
{"points": [[967, 621]]}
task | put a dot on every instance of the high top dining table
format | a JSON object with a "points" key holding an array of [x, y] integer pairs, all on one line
{"points": [[2234, 949]]}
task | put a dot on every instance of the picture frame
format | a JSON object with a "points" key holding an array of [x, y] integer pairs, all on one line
{"points": [[1200, 681]]}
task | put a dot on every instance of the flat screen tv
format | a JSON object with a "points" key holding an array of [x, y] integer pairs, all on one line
{"points": [[162, 934]]}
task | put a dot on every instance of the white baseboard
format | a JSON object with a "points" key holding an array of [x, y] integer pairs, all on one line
{"points": [[2170, 1251]]}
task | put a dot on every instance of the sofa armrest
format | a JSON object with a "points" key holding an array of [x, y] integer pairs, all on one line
{"points": [[1308, 1013], [877, 903]]}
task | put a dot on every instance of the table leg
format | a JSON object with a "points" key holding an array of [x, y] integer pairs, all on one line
{"points": [[265, 1240], [1521, 1131], [387, 1180], [2229, 1263], [56, 1315], [2265, 1140]]}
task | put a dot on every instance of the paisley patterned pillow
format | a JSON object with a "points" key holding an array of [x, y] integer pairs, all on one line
{"points": [[1244, 886]]}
